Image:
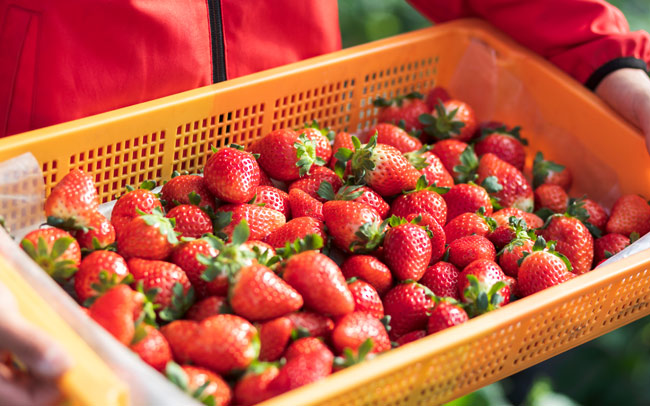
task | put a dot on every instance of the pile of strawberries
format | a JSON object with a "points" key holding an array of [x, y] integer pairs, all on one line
{"points": [[312, 251]]}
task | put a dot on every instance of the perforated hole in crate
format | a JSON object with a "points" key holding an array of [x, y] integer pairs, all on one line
{"points": [[193, 140], [50, 171], [329, 104], [123, 163], [21, 192], [417, 75], [441, 375], [632, 297], [557, 328]]}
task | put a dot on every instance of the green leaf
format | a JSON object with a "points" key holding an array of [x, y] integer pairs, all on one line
{"points": [[491, 184], [241, 233], [177, 375], [60, 246], [29, 248]]}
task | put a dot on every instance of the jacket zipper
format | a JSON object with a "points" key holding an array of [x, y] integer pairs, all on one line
{"points": [[216, 34]]}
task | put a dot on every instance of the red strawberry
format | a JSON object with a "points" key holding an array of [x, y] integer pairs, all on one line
{"points": [[431, 167], [306, 346], [126, 208], [480, 277], [180, 334], [186, 255], [100, 233], [445, 315], [303, 205], [320, 137], [369, 269], [54, 250], [552, 197], [174, 296], [573, 238], [264, 179], [345, 222], [436, 95], [630, 214], [316, 325], [275, 335], [300, 371], [442, 279], [549, 172], [466, 250], [450, 119], [115, 310], [410, 337], [468, 224], [516, 228], [297, 228], [449, 152], [394, 136], [261, 220], [515, 190], [153, 348], [252, 388], [466, 198], [512, 253], [232, 175], [341, 140], [356, 193], [502, 217], [597, 215], [422, 200], [407, 304], [320, 282], [210, 306], [73, 198], [402, 110], [355, 328], [190, 221], [87, 279], [256, 293], [608, 245], [149, 236], [505, 144], [407, 251], [434, 230], [366, 298], [541, 269], [310, 184], [178, 189], [214, 390]]}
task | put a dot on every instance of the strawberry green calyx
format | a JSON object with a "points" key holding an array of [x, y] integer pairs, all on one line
{"points": [[311, 242], [491, 185], [361, 158], [181, 303], [232, 256], [442, 126], [542, 245], [577, 210], [634, 237], [299, 332], [468, 166], [396, 101], [491, 222], [306, 154], [347, 192], [542, 168], [514, 133], [482, 299], [165, 225], [521, 233], [386, 322], [146, 185], [149, 307], [176, 375], [59, 269], [369, 237], [220, 220], [106, 282], [349, 357], [326, 132], [422, 184], [68, 224], [417, 159]]}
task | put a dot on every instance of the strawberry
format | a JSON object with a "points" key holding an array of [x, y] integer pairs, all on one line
{"points": [[442, 279], [573, 238], [468, 224], [320, 282], [130, 205], [445, 315], [264, 179], [449, 153], [72, 199], [505, 144], [153, 348], [423, 199], [410, 337], [516, 228], [179, 188], [369, 269], [514, 189], [303, 205], [394, 136], [630, 214], [450, 119], [256, 293], [100, 232], [355, 193], [300, 371], [436, 95], [466, 198], [482, 286], [54, 250], [402, 110], [430, 166], [191, 221], [210, 306], [407, 304], [541, 269], [306, 346], [200, 383], [502, 217], [115, 310], [98, 272], [382, 167], [252, 388], [148, 236], [311, 184], [261, 220], [355, 328], [434, 230], [466, 250], [321, 138], [297, 228], [341, 140], [552, 197], [549, 172], [180, 334], [366, 298], [174, 295], [186, 255], [610, 244], [232, 174], [512, 253], [353, 226], [315, 325], [275, 336], [407, 250], [597, 215]]}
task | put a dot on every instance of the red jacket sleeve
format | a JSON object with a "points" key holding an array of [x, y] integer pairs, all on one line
{"points": [[588, 39]]}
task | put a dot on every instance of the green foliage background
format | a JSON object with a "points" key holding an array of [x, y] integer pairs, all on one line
{"points": [[611, 370]]}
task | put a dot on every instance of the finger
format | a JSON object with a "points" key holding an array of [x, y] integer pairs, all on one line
{"points": [[38, 394]]}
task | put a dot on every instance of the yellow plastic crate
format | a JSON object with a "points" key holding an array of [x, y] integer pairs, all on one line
{"points": [[477, 64]]}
